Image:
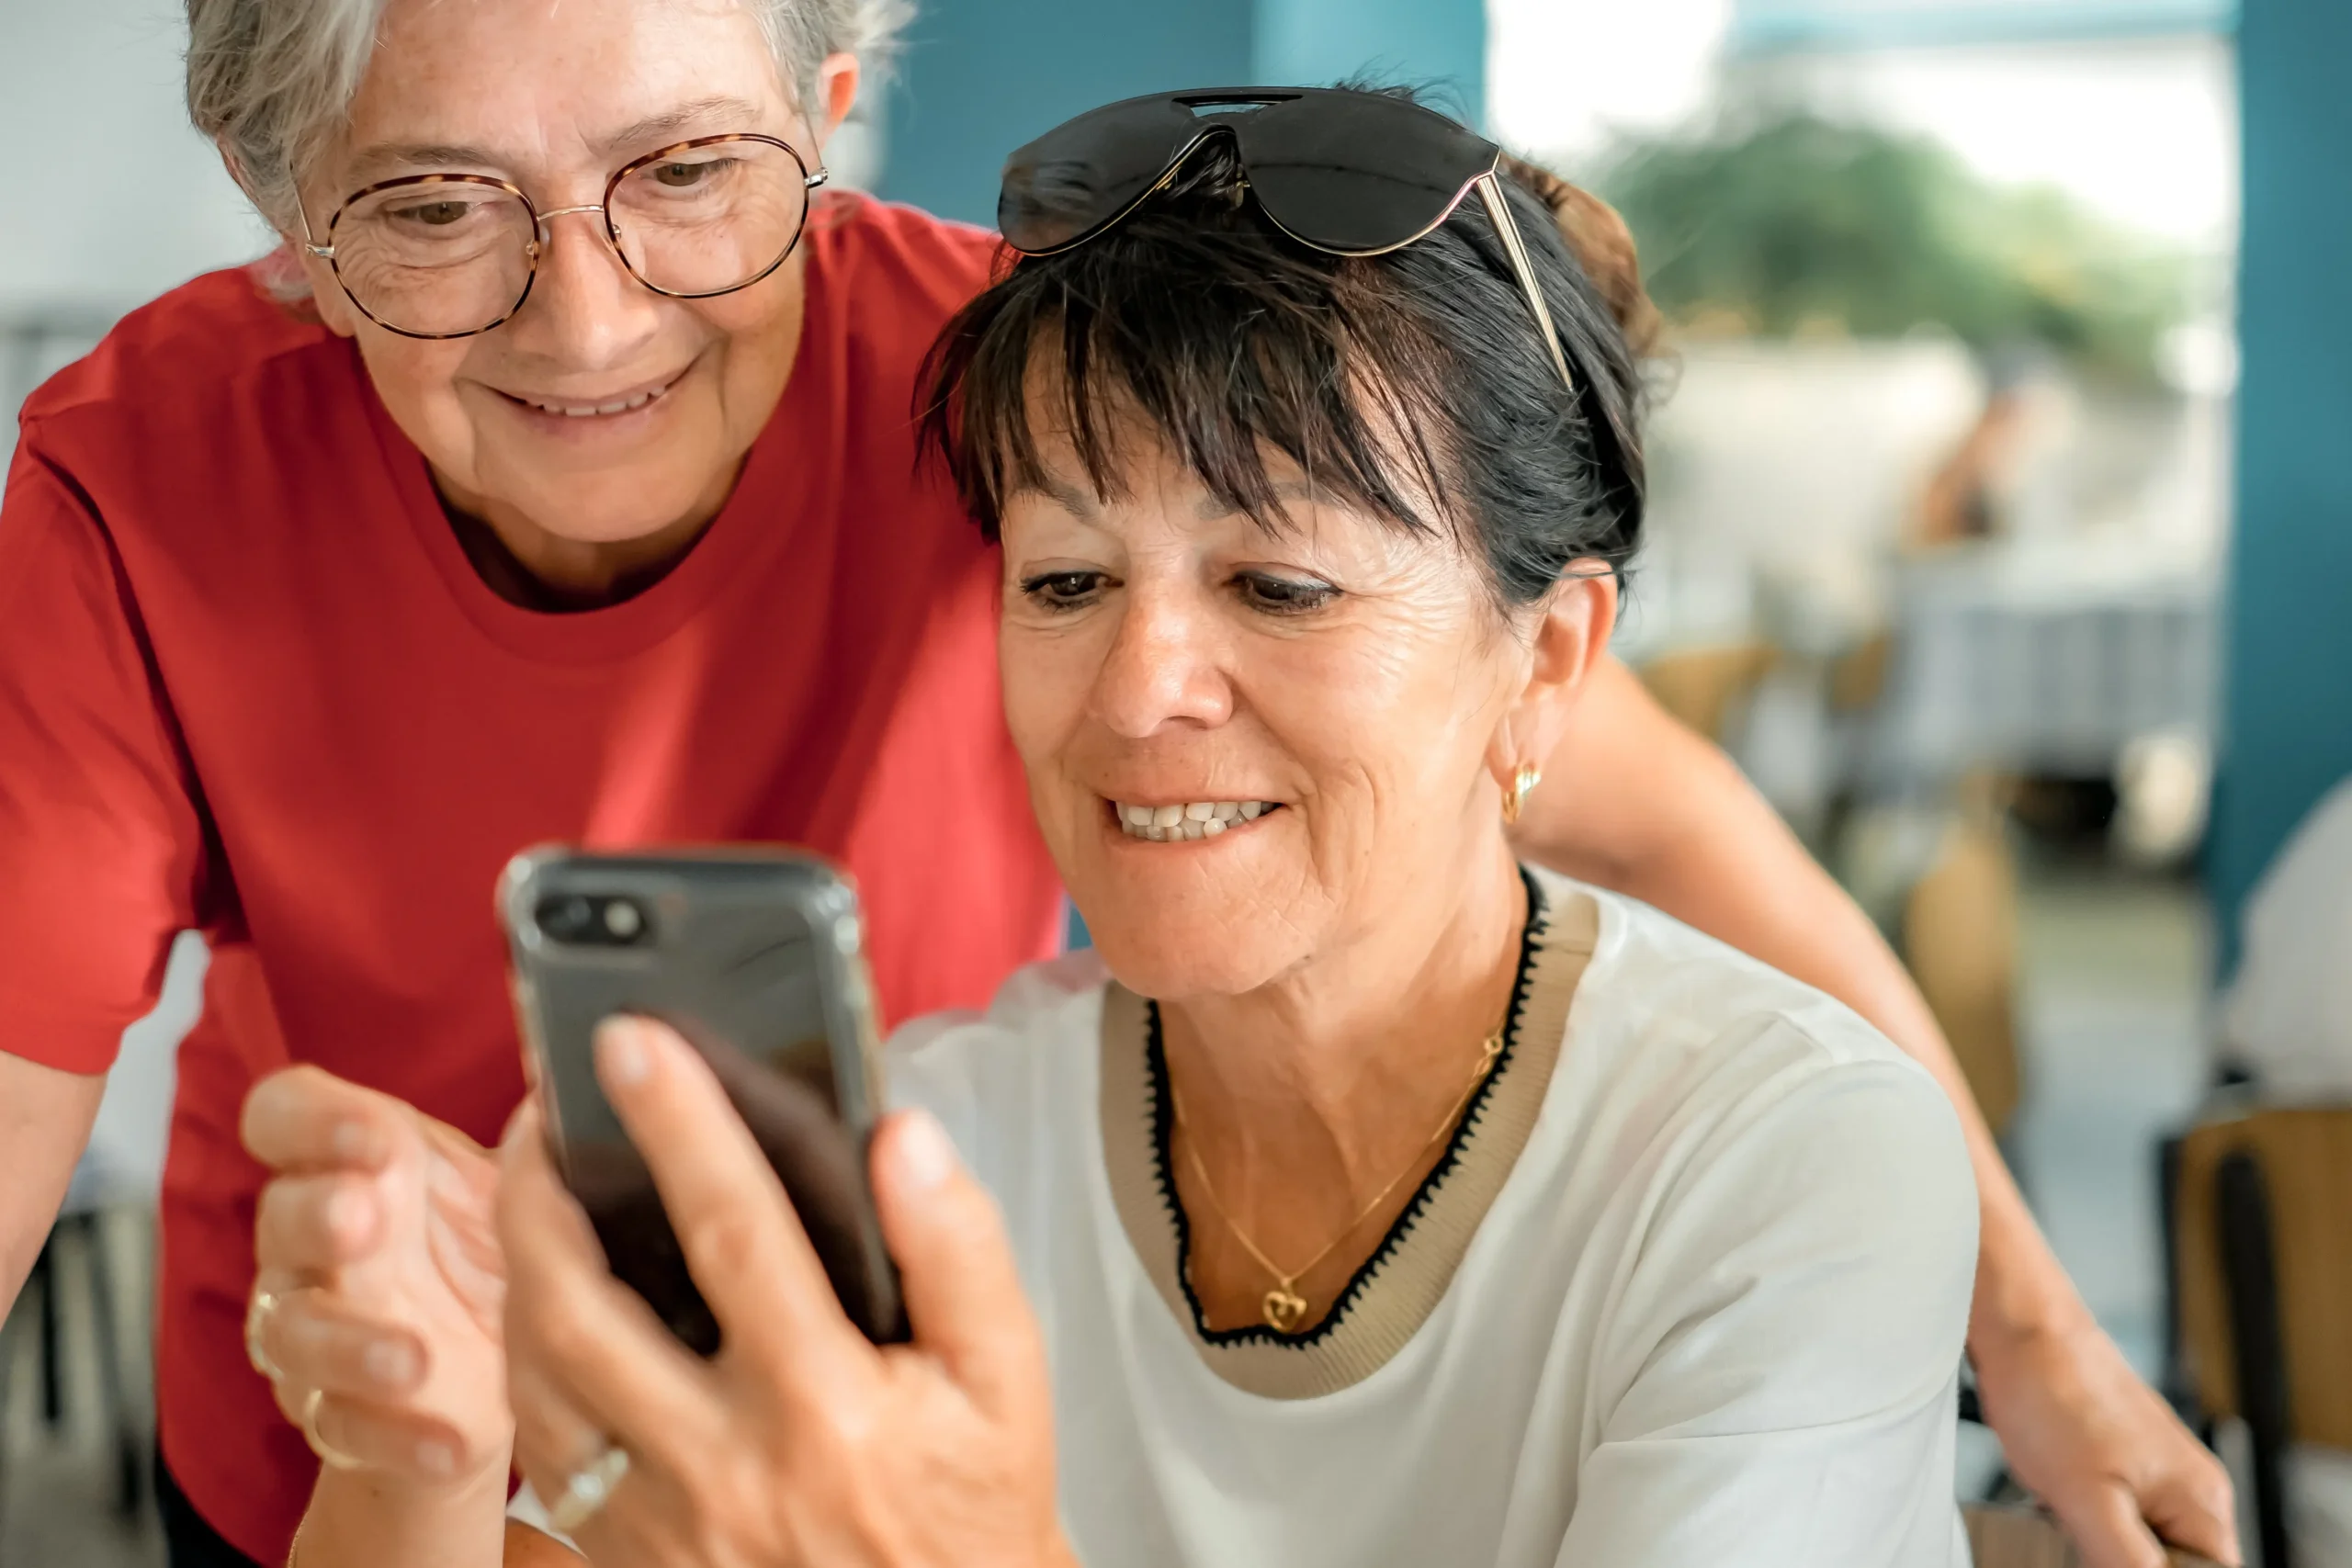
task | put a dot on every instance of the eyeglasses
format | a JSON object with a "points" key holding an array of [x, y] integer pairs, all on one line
{"points": [[1349, 173], [450, 255]]}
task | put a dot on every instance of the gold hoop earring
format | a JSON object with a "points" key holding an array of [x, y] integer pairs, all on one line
{"points": [[1522, 784]]}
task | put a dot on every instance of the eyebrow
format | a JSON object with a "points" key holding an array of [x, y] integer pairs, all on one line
{"points": [[700, 116], [1071, 498]]}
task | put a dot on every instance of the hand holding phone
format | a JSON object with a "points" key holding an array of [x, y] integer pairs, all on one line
{"points": [[755, 957]]}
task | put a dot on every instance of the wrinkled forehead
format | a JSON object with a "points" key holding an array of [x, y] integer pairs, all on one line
{"points": [[525, 87]]}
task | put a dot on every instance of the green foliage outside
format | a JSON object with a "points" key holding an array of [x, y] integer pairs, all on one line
{"points": [[1803, 226]]}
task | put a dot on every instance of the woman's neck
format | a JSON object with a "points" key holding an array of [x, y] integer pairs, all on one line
{"points": [[525, 564], [1304, 1099]]}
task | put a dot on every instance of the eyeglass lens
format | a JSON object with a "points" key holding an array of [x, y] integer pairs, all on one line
{"points": [[448, 256], [1358, 175], [1077, 176]]}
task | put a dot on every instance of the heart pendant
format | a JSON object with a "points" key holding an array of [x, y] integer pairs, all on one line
{"points": [[1284, 1309]]}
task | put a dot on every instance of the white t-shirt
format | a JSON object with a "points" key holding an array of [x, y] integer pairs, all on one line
{"points": [[1711, 1318]]}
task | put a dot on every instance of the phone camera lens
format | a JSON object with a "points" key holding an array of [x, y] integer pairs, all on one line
{"points": [[623, 920], [567, 918]]}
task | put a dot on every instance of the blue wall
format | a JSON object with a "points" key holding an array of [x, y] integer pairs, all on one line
{"points": [[1763, 26], [2287, 725], [1440, 45], [979, 77]]}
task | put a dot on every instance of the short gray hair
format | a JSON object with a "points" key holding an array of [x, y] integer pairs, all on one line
{"points": [[270, 80]]}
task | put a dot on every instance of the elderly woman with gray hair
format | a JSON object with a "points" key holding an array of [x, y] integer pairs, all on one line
{"points": [[554, 480]]}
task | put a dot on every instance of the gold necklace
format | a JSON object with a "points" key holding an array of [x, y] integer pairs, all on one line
{"points": [[1283, 1307]]}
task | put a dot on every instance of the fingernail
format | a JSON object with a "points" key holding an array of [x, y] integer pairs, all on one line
{"points": [[390, 1362], [926, 1157], [620, 1042], [436, 1457]]}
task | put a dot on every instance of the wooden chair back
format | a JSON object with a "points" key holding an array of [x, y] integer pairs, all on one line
{"points": [[1960, 937], [2305, 1157], [1703, 686]]}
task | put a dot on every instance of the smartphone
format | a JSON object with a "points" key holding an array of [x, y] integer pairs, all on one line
{"points": [[755, 956]]}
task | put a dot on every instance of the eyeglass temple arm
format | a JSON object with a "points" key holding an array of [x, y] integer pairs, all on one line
{"points": [[325, 253], [1490, 191]]}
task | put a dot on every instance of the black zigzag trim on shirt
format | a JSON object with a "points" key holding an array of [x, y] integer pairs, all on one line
{"points": [[1164, 1124]]}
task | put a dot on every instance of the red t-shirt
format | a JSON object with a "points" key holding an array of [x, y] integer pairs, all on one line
{"points": [[249, 683]]}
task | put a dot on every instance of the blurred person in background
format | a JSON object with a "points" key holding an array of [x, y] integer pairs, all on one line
{"points": [[499, 508], [1970, 495], [1372, 1199], [2286, 1017]]}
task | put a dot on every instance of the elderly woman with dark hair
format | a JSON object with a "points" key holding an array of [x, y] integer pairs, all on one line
{"points": [[1367, 1196]]}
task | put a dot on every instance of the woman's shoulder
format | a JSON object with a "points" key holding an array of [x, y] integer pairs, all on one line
{"points": [[1003, 1074], [1673, 986], [179, 355], [1760, 1117], [196, 415], [897, 265], [1678, 1041]]}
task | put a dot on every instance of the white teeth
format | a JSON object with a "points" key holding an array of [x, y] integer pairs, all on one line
{"points": [[1194, 819], [590, 411]]}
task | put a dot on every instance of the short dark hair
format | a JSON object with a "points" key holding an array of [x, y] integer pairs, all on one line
{"points": [[1400, 384]]}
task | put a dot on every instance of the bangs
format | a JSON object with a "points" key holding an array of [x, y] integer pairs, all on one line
{"points": [[1229, 350]]}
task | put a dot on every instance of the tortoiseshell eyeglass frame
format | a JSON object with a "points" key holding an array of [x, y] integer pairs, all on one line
{"points": [[603, 208]]}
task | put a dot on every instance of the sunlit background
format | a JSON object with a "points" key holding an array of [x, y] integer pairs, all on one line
{"points": [[1999, 521]]}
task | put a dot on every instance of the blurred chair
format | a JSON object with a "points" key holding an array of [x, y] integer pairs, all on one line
{"points": [[1960, 926], [1858, 676], [2006, 1536], [2262, 1245], [79, 1237], [114, 1185], [1703, 686]]}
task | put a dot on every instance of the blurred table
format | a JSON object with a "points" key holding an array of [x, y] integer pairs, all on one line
{"points": [[2047, 657]]}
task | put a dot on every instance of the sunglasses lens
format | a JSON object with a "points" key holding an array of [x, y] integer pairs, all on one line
{"points": [[1359, 174], [1079, 176]]}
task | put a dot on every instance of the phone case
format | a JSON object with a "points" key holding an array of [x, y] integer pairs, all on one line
{"points": [[755, 957]]}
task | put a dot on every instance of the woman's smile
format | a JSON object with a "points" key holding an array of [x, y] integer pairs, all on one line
{"points": [[1189, 821], [625, 412]]}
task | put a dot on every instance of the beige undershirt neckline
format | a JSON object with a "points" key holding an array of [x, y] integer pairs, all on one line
{"points": [[1390, 1297]]}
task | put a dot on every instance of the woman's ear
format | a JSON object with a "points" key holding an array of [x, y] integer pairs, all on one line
{"points": [[1571, 636], [837, 83]]}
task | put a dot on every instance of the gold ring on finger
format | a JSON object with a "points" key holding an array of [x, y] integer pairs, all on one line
{"points": [[588, 1489], [333, 1456], [258, 1312]]}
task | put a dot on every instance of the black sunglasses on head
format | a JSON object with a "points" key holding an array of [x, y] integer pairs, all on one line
{"points": [[1348, 172]]}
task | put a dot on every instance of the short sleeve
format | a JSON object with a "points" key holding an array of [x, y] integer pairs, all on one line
{"points": [[100, 842], [1779, 1391]]}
